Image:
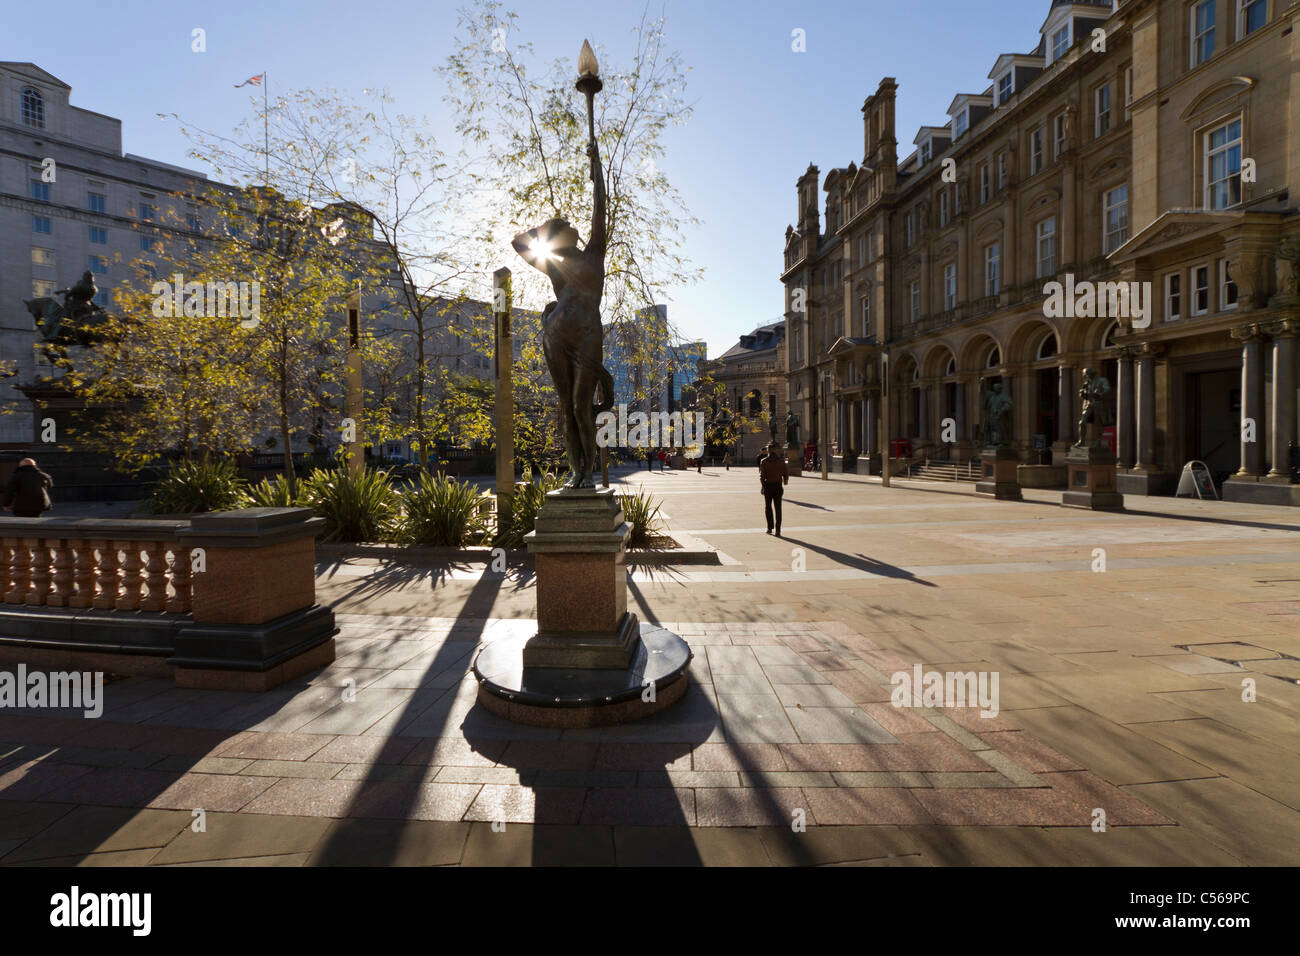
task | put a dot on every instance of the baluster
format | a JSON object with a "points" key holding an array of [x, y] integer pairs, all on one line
{"points": [[132, 582], [83, 575], [40, 586], [180, 600], [19, 571], [63, 584], [107, 576], [155, 576]]}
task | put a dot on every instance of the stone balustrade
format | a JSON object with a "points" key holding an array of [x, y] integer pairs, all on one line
{"points": [[224, 600]]}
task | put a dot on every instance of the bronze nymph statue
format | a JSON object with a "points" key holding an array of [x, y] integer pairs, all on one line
{"points": [[572, 338]]}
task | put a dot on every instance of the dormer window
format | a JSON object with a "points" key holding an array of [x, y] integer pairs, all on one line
{"points": [[1060, 43], [927, 152], [960, 123], [33, 108], [1006, 86]]}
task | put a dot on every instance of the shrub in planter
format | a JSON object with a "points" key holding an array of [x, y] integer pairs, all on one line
{"points": [[641, 511], [442, 512], [193, 486], [529, 496], [364, 507], [271, 493]]}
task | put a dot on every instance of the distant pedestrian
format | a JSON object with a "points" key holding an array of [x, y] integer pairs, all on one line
{"points": [[649, 459], [773, 476], [726, 461], [663, 460], [27, 491]]}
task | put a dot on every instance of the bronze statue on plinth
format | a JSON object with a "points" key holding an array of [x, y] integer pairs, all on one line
{"points": [[572, 338], [1094, 408]]}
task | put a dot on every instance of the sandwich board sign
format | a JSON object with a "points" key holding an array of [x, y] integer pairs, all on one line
{"points": [[1196, 480]]}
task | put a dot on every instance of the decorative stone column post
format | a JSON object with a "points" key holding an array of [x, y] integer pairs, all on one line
{"points": [[1124, 419], [1146, 410], [1283, 420], [1252, 399]]}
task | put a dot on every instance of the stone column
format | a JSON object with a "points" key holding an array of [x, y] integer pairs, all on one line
{"points": [[960, 414], [1252, 398], [1146, 411], [1124, 412], [1283, 420], [1065, 405]]}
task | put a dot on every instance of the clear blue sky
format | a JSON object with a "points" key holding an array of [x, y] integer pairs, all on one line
{"points": [[763, 112]]}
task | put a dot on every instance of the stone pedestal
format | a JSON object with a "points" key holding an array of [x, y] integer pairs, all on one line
{"points": [[794, 461], [591, 661], [999, 474], [1090, 479]]}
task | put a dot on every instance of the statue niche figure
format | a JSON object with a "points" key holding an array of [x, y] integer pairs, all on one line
{"points": [[571, 332], [791, 429], [1094, 408], [997, 416]]}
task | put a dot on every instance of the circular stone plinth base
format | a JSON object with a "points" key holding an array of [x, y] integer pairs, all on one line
{"points": [[560, 697]]}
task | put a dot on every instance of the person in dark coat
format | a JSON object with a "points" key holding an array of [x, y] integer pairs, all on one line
{"points": [[773, 476], [27, 491]]}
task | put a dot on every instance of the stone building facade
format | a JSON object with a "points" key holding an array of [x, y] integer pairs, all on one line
{"points": [[752, 374], [1147, 141]]}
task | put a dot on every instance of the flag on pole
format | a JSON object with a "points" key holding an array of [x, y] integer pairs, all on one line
{"points": [[255, 80]]}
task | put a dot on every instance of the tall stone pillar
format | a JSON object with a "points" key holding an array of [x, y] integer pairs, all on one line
{"points": [[1065, 405], [1146, 411], [1283, 420], [1124, 421], [1252, 399]]}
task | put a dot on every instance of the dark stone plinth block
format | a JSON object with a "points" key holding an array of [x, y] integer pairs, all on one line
{"points": [[1000, 476], [1090, 479]]}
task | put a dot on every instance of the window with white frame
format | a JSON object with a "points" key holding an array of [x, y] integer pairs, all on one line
{"points": [[960, 123], [1251, 15], [1101, 113], [1060, 42], [992, 268], [1128, 93], [1222, 162], [1202, 32], [950, 286], [1058, 136], [1036, 151], [926, 153], [1173, 297], [1227, 288], [33, 107], [1200, 290], [1006, 85], [986, 183], [1046, 244], [1115, 218], [915, 300]]}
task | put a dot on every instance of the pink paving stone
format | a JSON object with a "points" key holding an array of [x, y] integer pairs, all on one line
{"points": [[1004, 807], [753, 639], [456, 752], [307, 798], [801, 642], [898, 720], [834, 756], [935, 752], [861, 806], [857, 686], [370, 750], [970, 719], [401, 800], [263, 746], [186, 741], [513, 804], [1090, 791], [114, 788], [550, 755], [824, 660], [856, 643], [887, 662], [640, 807], [216, 792], [836, 629], [737, 757], [40, 730], [751, 807], [1030, 753], [33, 778], [641, 756]]}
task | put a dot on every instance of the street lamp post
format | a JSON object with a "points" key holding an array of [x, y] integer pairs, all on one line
{"points": [[505, 403], [355, 401]]}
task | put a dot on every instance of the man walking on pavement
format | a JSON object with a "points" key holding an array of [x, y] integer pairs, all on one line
{"points": [[773, 476]]}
